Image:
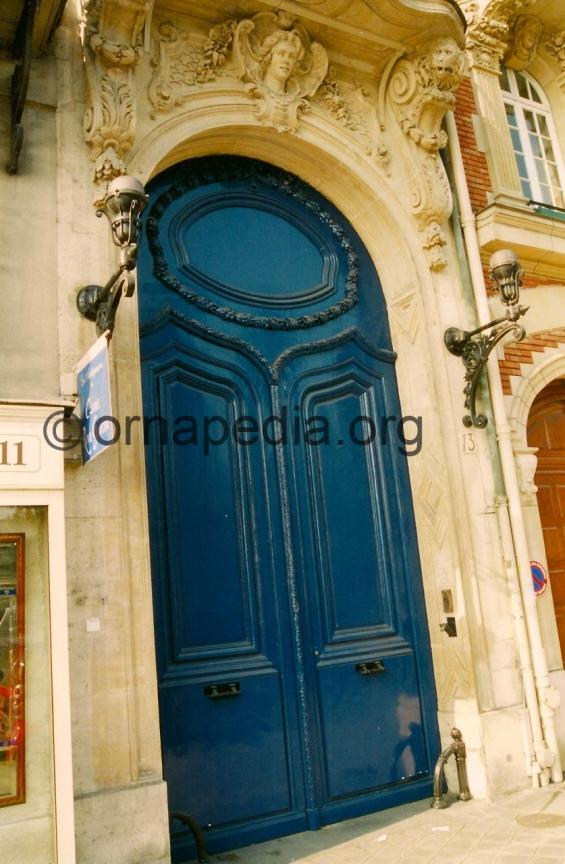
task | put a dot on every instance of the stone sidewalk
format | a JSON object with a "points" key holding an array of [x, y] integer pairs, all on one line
{"points": [[522, 828]]}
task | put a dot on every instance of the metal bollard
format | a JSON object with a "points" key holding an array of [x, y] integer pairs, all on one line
{"points": [[459, 750], [197, 833]]}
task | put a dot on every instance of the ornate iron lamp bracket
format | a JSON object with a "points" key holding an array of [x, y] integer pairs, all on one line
{"points": [[475, 346], [122, 206]]}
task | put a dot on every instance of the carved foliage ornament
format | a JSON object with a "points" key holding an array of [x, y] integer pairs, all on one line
{"points": [[113, 41], [182, 61], [421, 91], [352, 106], [555, 44]]}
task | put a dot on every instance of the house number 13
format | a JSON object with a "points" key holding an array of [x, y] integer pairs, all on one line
{"points": [[11, 453]]}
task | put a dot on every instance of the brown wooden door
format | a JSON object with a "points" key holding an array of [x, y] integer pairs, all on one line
{"points": [[546, 430]]}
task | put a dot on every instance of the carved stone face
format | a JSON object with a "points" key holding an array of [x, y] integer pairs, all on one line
{"points": [[283, 61], [527, 35], [281, 52], [446, 64]]}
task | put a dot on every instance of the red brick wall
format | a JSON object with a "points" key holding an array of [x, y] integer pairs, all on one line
{"points": [[529, 281], [516, 353], [476, 170]]}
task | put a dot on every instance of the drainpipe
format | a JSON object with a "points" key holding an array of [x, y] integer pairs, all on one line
{"points": [[540, 696], [539, 777]]}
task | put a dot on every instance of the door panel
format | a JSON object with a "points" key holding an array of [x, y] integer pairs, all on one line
{"points": [[351, 549], [294, 669], [546, 430], [228, 756], [387, 743]]}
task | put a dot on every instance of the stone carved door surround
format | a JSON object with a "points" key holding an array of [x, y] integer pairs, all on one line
{"points": [[352, 142]]}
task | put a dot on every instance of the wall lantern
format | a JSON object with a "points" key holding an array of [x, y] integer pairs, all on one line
{"points": [[124, 202], [474, 346]]}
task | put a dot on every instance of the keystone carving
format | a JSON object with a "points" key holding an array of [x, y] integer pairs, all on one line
{"points": [[525, 39], [421, 91], [113, 42], [282, 68]]}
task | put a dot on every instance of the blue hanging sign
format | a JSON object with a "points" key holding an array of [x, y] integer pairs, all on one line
{"points": [[539, 578], [93, 385]]}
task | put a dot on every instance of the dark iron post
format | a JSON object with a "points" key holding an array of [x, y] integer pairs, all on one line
{"points": [[460, 751]]}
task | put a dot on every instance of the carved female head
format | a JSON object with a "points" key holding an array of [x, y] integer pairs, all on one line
{"points": [[527, 33], [280, 52]]}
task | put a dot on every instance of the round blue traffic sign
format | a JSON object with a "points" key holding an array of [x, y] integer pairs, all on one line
{"points": [[539, 578]]}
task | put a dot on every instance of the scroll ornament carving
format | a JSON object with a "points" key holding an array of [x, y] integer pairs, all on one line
{"points": [[113, 42], [421, 90]]}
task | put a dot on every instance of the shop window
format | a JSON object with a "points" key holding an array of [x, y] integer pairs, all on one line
{"points": [[12, 767], [536, 149]]}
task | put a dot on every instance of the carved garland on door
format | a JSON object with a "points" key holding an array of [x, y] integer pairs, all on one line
{"points": [[294, 189]]}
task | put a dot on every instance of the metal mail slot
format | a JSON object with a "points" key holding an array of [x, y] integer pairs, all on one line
{"points": [[222, 691], [372, 667]]}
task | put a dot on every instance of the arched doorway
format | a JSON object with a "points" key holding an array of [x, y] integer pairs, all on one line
{"points": [[546, 430], [294, 667]]}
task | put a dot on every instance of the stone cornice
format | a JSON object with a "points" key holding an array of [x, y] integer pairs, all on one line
{"points": [[538, 240]]}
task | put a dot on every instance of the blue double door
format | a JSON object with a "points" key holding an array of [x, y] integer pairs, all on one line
{"points": [[294, 670]]}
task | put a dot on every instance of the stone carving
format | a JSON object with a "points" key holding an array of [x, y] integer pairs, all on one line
{"points": [[352, 106], [526, 462], [183, 61], [281, 66], [470, 9], [555, 44], [113, 42], [271, 53], [488, 33], [526, 35], [216, 51], [421, 90], [404, 314]]}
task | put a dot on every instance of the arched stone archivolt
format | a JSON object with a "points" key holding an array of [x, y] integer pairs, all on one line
{"points": [[525, 373]]}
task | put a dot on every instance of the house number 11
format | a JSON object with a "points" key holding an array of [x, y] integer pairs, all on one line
{"points": [[11, 453]]}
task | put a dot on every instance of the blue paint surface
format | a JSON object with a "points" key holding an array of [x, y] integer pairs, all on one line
{"points": [[281, 569]]}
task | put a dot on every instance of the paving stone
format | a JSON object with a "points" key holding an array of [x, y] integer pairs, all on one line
{"points": [[514, 831]]}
